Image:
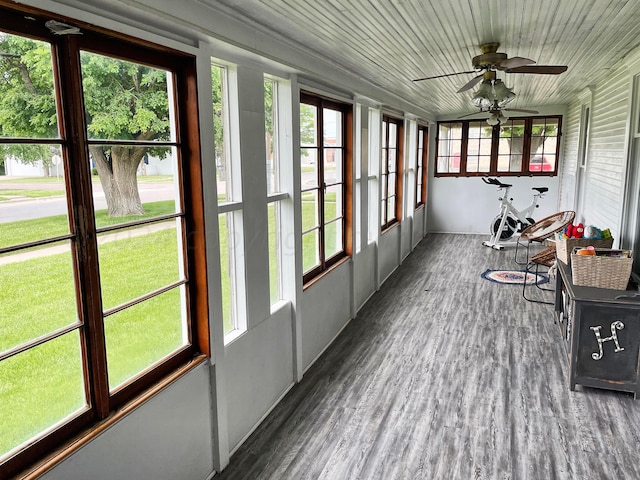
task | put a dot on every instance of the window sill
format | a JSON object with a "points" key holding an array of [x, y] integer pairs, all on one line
{"points": [[320, 276], [76, 443], [233, 335], [389, 227]]}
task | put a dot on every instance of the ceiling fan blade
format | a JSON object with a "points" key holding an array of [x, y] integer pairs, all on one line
{"points": [[515, 62], [523, 110], [473, 113], [442, 76], [471, 83], [539, 69]]}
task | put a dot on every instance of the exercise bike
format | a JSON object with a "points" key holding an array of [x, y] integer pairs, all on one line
{"points": [[510, 220]]}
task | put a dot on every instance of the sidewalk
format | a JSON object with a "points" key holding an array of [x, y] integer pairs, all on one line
{"points": [[110, 237]]}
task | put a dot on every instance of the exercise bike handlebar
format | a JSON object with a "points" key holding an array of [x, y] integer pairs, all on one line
{"points": [[496, 182], [499, 184]]}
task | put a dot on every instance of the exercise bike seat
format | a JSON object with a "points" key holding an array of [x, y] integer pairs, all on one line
{"points": [[540, 189]]}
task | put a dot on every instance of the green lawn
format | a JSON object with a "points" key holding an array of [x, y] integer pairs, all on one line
{"points": [[45, 384], [24, 231]]}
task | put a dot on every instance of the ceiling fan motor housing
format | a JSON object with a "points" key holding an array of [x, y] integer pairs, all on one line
{"points": [[490, 57], [488, 60]]}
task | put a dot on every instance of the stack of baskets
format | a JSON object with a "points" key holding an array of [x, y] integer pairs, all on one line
{"points": [[606, 269], [565, 246]]}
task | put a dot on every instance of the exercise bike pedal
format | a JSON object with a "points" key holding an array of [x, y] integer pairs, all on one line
{"points": [[495, 246]]}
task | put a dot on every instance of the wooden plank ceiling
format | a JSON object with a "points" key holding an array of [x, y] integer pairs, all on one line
{"points": [[391, 42]]}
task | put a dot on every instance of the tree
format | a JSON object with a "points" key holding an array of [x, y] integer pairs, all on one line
{"points": [[514, 133], [122, 100]]}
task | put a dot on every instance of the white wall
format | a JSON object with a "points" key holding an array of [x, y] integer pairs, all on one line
{"points": [[365, 274], [259, 369], [326, 309], [389, 251], [607, 160], [468, 205], [418, 225], [169, 437]]}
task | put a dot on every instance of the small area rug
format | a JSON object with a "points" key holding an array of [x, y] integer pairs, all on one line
{"points": [[513, 277]]}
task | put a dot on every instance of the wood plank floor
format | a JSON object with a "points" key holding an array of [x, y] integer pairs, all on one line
{"points": [[444, 375]]}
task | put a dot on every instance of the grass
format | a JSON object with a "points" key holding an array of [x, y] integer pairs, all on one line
{"points": [[94, 178], [45, 384], [24, 231]]}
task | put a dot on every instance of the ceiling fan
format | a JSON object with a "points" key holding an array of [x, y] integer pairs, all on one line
{"points": [[495, 113], [491, 60]]}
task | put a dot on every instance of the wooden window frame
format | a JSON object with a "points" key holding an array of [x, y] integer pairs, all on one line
{"points": [[493, 171], [386, 220], [321, 102], [74, 142], [422, 162]]}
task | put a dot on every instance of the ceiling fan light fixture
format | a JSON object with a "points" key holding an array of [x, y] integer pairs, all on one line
{"points": [[503, 93], [483, 98], [493, 119]]}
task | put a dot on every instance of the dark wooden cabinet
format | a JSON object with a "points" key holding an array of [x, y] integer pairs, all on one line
{"points": [[600, 329]]}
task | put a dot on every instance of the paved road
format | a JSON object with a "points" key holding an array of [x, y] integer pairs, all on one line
{"points": [[26, 208]]}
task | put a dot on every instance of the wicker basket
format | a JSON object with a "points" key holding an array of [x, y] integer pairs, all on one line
{"points": [[564, 246], [601, 272]]}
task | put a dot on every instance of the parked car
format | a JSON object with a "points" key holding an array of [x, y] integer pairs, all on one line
{"points": [[540, 163]]}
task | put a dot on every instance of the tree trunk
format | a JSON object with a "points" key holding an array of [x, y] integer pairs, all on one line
{"points": [[117, 173]]}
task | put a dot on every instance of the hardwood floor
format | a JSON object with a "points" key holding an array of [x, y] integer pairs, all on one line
{"points": [[445, 375]]}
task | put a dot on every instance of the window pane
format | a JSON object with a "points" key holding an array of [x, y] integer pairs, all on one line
{"points": [[385, 136], [383, 180], [479, 147], [27, 313], [391, 208], [40, 387], [310, 210], [274, 251], [271, 129], [420, 161], [228, 245], [220, 132], [332, 128], [333, 203], [310, 248], [38, 206], [392, 160], [393, 135], [137, 261], [358, 215], [308, 125], [143, 334], [391, 184], [334, 238], [332, 165], [309, 168], [544, 143], [511, 146], [138, 109], [126, 190], [449, 147], [28, 104]]}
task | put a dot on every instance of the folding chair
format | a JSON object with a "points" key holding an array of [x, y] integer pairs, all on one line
{"points": [[538, 233]]}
